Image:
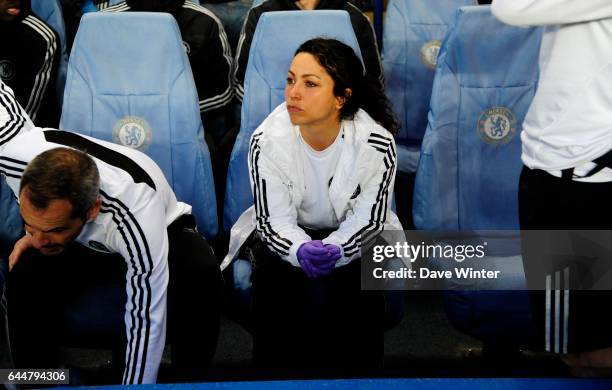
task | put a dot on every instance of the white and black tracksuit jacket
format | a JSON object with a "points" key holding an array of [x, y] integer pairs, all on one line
{"points": [[360, 191], [29, 60], [137, 207]]}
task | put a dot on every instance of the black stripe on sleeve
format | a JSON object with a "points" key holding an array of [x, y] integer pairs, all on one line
{"points": [[8, 174], [16, 119], [379, 208], [127, 219], [135, 290], [19, 162], [11, 167], [276, 243], [43, 76], [103, 153]]}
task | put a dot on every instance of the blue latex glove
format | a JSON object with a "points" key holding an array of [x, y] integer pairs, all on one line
{"points": [[315, 259]]}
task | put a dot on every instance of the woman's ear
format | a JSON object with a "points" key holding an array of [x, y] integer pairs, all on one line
{"points": [[341, 100]]}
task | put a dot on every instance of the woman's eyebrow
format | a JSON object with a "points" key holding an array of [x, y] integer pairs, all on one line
{"points": [[311, 75]]}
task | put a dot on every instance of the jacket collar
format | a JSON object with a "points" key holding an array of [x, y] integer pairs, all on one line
{"points": [[356, 157]]}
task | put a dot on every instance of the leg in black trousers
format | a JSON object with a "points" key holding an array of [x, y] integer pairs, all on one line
{"points": [[39, 290], [318, 327], [6, 360], [550, 203], [42, 287], [194, 301]]}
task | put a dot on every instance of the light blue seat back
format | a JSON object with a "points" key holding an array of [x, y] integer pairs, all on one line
{"points": [[51, 12], [470, 164], [122, 88], [11, 226], [470, 161], [271, 54], [413, 32]]}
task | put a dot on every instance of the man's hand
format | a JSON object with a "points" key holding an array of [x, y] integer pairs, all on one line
{"points": [[21, 246]]}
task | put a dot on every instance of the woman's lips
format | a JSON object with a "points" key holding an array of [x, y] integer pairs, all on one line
{"points": [[293, 109], [13, 11]]}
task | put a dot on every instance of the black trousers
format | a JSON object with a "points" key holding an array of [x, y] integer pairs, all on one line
{"points": [[315, 327], [43, 289], [568, 320], [6, 359]]}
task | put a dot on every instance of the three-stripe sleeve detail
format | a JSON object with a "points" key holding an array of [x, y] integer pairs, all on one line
{"points": [[276, 243], [16, 116], [41, 81], [224, 97], [141, 263], [378, 213], [11, 167], [106, 7]]}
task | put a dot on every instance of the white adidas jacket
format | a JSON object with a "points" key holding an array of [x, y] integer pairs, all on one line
{"points": [[360, 191]]}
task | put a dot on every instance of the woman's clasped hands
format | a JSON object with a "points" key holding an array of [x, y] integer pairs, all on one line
{"points": [[318, 259]]}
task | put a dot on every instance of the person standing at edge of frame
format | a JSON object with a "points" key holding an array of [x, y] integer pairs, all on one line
{"points": [[566, 182]]}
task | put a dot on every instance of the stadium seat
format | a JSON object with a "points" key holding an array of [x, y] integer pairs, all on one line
{"points": [[11, 226], [468, 173], [51, 12], [120, 88], [413, 32]]}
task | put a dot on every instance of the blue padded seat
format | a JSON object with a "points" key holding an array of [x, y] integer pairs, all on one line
{"points": [[11, 225], [468, 173], [412, 35], [470, 160], [269, 59], [121, 88], [51, 12]]}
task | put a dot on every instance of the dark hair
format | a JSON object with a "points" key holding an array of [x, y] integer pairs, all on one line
{"points": [[62, 173], [345, 68]]}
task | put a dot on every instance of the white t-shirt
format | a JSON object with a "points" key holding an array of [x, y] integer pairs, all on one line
{"points": [[569, 123], [316, 211]]}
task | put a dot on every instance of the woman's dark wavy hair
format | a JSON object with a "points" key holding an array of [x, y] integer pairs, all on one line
{"points": [[346, 69]]}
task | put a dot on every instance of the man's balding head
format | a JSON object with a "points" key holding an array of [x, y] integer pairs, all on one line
{"points": [[62, 173]]}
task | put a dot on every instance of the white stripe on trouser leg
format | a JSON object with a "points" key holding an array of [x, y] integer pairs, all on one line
{"points": [[557, 310], [566, 306], [547, 313]]}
